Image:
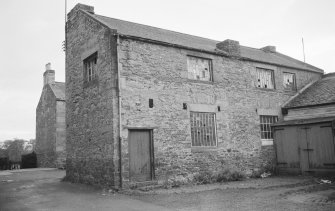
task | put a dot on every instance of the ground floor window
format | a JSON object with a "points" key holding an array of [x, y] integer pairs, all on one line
{"points": [[203, 129], [265, 123]]}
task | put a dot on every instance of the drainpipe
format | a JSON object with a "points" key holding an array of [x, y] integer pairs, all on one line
{"points": [[119, 100]]}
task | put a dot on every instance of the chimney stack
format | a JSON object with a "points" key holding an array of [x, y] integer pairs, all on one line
{"points": [[232, 47], [49, 75], [269, 48]]}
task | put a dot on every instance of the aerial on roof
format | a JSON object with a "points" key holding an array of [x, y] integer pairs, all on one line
{"points": [[58, 89], [320, 93], [184, 40]]}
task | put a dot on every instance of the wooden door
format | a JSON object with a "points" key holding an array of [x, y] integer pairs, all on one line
{"points": [[140, 155], [321, 146], [286, 145], [304, 132]]}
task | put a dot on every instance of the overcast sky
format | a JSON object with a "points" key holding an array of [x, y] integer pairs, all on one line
{"points": [[32, 33]]}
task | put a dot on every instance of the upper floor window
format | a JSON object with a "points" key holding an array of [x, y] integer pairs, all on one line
{"points": [[289, 81], [265, 123], [265, 78], [199, 68], [90, 67], [203, 129]]}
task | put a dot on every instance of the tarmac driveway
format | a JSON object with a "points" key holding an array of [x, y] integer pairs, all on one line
{"points": [[42, 189]]}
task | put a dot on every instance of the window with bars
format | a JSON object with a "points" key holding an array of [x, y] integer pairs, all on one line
{"points": [[265, 78], [199, 68], [289, 81], [90, 67], [203, 129], [265, 123]]}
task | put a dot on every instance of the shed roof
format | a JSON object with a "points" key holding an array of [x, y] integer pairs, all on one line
{"points": [[195, 42], [319, 93], [303, 121], [58, 89]]}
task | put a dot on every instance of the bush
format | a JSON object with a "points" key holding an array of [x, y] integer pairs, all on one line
{"points": [[229, 175], [203, 177], [225, 175]]}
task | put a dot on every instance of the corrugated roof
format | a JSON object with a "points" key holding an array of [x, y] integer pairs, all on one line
{"points": [[190, 41], [58, 89], [321, 92]]}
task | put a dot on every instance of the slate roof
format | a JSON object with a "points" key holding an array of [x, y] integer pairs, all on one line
{"points": [[321, 92], [58, 89], [195, 42]]}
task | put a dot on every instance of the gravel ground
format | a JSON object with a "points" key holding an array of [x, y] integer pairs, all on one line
{"points": [[42, 189]]}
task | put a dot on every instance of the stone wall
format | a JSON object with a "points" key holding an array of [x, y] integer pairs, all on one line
{"points": [[46, 129], [89, 112], [160, 73], [60, 145]]}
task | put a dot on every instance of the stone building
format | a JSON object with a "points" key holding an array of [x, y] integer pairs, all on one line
{"points": [[147, 104], [50, 122]]}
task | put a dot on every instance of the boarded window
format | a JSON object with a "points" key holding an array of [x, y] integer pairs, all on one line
{"points": [[266, 122], [203, 129], [265, 78], [199, 68], [90, 67], [289, 81]]}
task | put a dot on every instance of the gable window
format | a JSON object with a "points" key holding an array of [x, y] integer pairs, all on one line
{"points": [[265, 123], [289, 81], [90, 67], [199, 69], [265, 78], [203, 129]]}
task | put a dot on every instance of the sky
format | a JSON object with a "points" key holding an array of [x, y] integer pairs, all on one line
{"points": [[32, 33]]}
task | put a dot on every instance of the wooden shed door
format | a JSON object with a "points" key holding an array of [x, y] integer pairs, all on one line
{"points": [[321, 142], [287, 147], [317, 147], [140, 155]]}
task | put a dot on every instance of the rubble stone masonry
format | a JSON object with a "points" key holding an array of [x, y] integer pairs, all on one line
{"points": [[153, 71]]}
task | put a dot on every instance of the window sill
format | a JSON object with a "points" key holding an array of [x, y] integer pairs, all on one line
{"points": [[91, 83], [201, 82], [203, 148], [267, 142]]}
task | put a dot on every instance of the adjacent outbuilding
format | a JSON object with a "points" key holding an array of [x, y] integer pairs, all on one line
{"points": [[304, 140], [50, 122]]}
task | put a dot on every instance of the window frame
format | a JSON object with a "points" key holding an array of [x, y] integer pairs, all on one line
{"points": [[272, 78], [294, 88], [210, 64], [90, 74], [203, 130], [267, 125]]}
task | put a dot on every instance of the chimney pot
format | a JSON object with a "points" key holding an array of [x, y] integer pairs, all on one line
{"points": [[48, 75]]}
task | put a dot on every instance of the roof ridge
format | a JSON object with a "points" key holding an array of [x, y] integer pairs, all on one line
{"points": [[297, 60], [154, 27]]}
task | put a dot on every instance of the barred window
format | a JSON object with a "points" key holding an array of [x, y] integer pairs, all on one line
{"points": [[265, 123], [265, 78], [289, 81], [90, 67], [199, 68], [203, 129]]}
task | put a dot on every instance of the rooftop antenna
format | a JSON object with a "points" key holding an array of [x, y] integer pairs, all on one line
{"points": [[303, 48]]}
